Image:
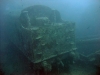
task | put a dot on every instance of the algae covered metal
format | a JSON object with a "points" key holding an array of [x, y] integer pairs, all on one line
{"points": [[44, 36]]}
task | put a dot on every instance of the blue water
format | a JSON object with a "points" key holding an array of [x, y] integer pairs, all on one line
{"points": [[85, 14]]}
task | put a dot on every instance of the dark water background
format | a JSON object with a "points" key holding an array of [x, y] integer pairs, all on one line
{"points": [[85, 13]]}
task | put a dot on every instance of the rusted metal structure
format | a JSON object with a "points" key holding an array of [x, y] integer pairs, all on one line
{"points": [[43, 36]]}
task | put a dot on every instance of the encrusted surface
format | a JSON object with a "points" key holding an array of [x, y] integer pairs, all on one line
{"points": [[45, 35]]}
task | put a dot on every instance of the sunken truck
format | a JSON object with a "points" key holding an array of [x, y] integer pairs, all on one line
{"points": [[44, 38]]}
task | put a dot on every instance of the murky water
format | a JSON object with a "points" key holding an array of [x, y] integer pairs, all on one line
{"points": [[49, 37]]}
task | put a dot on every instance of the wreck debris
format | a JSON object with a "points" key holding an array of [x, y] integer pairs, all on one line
{"points": [[27, 18], [95, 58], [46, 66], [46, 36]]}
